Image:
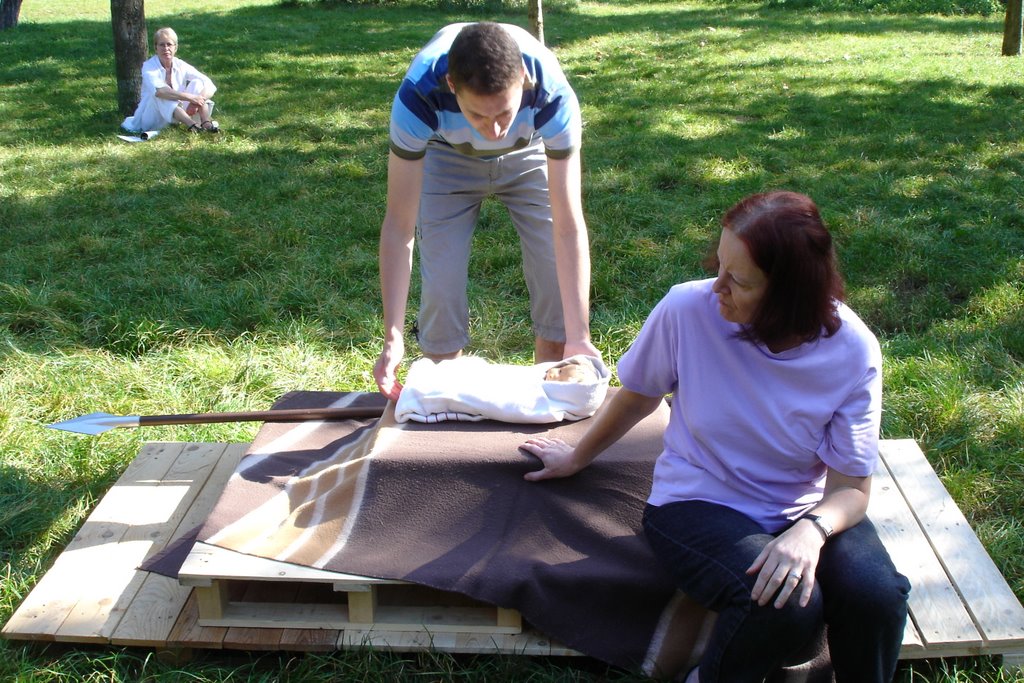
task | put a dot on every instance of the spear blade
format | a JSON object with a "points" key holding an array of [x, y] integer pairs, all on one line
{"points": [[97, 423]]}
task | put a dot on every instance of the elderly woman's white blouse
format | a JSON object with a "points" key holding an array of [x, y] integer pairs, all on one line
{"points": [[154, 113]]}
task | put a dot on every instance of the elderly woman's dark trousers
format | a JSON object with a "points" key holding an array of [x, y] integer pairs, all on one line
{"points": [[858, 594]]}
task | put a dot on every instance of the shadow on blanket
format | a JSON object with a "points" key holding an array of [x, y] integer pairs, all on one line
{"points": [[446, 506]]}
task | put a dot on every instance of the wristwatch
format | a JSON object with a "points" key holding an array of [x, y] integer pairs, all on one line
{"points": [[824, 527]]}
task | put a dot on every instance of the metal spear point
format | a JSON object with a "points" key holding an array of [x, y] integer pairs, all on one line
{"points": [[97, 423]]}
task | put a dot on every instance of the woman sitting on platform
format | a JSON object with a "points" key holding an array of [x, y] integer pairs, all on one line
{"points": [[759, 497]]}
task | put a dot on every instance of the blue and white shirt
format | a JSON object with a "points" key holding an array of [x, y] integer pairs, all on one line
{"points": [[425, 108]]}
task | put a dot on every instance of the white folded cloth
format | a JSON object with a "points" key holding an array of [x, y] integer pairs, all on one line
{"points": [[470, 388]]}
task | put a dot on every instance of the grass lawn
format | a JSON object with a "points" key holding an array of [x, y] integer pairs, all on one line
{"points": [[215, 273]]}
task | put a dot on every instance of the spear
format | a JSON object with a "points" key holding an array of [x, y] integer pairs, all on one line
{"points": [[97, 423]]}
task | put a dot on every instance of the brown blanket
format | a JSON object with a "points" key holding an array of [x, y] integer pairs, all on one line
{"points": [[445, 505]]}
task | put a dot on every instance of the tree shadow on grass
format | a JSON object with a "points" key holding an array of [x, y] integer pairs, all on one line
{"points": [[279, 219]]}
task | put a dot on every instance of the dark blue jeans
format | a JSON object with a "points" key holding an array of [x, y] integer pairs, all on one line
{"points": [[858, 594]]}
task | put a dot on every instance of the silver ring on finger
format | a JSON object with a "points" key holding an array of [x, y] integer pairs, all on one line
{"points": [[798, 577]]}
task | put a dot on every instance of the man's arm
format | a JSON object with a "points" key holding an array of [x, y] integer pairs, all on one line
{"points": [[397, 236], [572, 252]]}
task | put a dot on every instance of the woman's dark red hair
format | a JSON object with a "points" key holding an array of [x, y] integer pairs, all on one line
{"points": [[788, 241]]}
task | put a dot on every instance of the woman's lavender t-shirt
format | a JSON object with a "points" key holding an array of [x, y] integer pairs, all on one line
{"points": [[751, 429]]}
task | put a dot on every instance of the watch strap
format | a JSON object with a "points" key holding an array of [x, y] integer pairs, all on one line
{"points": [[822, 525]]}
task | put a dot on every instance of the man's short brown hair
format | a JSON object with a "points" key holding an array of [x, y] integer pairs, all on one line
{"points": [[485, 59]]}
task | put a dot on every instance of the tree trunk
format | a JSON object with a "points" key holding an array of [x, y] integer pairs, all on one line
{"points": [[9, 11], [537, 20], [1012, 29], [128, 18]]}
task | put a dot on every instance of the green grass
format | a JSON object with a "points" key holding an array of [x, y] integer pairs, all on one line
{"points": [[201, 273]]}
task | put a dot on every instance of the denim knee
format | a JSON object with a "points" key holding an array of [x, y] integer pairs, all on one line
{"points": [[707, 549], [881, 601], [860, 579], [795, 623]]}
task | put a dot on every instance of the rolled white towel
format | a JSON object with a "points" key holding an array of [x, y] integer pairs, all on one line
{"points": [[470, 388]]}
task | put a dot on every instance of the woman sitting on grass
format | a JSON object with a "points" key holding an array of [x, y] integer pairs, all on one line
{"points": [[759, 497], [172, 91]]}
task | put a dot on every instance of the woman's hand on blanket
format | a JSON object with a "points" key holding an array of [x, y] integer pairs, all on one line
{"points": [[556, 456]]}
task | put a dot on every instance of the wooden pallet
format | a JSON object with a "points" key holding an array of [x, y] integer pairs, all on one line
{"points": [[350, 602], [960, 604]]}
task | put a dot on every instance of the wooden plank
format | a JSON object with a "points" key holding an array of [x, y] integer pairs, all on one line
{"points": [[149, 618], [398, 641], [559, 650], [391, 618], [991, 603], [212, 601], [310, 639], [440, 619], [260, 638], [159, 600], [1013, 664], [413, 641], [208, 562], [166, 505], [187, 631], [883, 507], [151, 615], [526, 643], [264, 639], [511, 618], [943, 623], [280, 615], [912, 641], [107, 580], [362, 606], [66, 584]]}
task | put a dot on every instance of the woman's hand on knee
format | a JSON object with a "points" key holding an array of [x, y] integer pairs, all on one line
{"points": [[786, 567]]}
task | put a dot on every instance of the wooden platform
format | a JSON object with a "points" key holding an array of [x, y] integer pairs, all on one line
{"points": [[960, 604], [222, 577]]}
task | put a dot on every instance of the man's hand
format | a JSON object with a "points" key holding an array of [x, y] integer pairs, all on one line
{"points": [[580, 348], [386, 368], [556, 456]]}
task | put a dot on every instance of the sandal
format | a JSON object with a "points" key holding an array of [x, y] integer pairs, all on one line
{"points": [[195, 128], [210, 126]]}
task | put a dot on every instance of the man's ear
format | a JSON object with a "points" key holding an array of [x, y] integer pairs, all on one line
{"points": [[448, 80]]}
